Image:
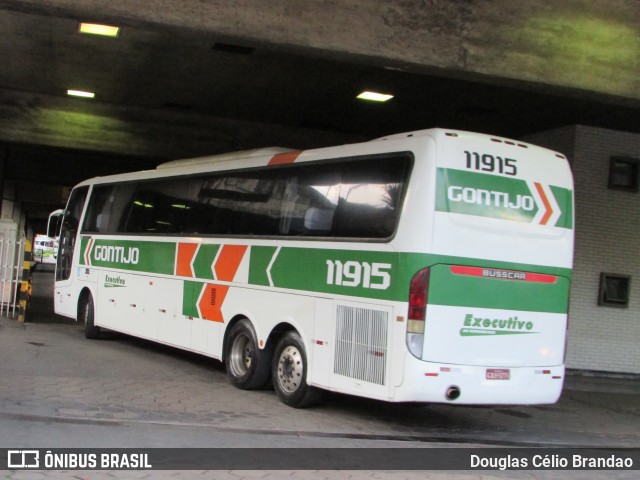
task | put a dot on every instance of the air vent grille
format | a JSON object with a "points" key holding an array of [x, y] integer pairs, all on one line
{"points": [[361, 344]]}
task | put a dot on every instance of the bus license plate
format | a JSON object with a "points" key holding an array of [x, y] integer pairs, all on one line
{"points": [[498, 374]]}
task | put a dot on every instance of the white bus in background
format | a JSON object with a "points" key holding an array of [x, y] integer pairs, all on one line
{"points": [[431, 266], [45, 249], [54, 223]]}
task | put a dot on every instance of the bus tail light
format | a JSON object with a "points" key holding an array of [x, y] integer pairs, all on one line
{"points": [[417, 312]]}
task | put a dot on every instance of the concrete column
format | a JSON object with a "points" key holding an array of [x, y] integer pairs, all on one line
{"points": [[3, 158]]}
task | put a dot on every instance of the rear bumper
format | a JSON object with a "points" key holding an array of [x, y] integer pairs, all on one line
{"points": [[430, 382]]}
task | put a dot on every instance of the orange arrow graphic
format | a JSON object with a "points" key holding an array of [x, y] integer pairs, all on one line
{"points": [[229, 261], [186, 251], [87, 252], [211, 302], [547, 204]]}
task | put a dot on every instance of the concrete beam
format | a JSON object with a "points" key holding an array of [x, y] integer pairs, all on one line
{"points": [[57, 122], [580, 44], [37, 192]]}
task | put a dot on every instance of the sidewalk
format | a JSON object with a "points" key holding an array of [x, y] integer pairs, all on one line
{"points": [[603, 382]]}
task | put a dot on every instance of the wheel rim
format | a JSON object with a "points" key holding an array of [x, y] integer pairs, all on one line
{"points": [[242, 352], [290, 369]]}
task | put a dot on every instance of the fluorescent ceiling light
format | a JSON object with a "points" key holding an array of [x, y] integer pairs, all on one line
{"points": [[97, 29], [375, 96], [80, 93]]}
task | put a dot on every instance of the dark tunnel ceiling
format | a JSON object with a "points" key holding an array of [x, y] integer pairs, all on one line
{"points": [[178, 70], [187, 72], [282, 88]]}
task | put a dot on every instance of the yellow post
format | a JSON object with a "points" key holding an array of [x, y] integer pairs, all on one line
{"points": [[25, 284]]}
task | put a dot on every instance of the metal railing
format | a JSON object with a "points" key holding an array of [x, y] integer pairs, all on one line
{"points": [[11, 267]]}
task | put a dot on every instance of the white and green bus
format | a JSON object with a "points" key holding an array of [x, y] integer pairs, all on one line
{"points": [[431, 266], [54, 223], [45, 249]]}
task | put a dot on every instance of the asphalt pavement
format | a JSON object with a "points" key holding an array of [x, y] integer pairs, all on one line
{"points": [[58, 389]]}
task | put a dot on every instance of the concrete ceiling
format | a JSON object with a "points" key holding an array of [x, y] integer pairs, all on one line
{"points": [[165, 90]]}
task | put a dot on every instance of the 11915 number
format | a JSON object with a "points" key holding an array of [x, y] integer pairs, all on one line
{"points": [[490, 163], [355, 274]]}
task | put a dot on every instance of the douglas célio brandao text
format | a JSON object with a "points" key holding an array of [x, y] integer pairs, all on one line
{"points": [[534, 461]]}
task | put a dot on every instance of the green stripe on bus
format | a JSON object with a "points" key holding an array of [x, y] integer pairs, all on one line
{"points": [[449, 289], [344, 272], [191, 293], [134, 255], [493, 196], [564, 197], [260, 259], [202, 264], [464, 192], [355, 273]]}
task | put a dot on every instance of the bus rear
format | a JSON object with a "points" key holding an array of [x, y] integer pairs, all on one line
{"points": [[487, 315]]}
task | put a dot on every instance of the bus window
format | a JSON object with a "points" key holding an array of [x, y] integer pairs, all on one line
{"points": [[68, 231], [106, 207], [161, 206]]}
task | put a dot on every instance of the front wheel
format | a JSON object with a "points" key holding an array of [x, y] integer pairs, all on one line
{"points": [[247, 365], [87, 314], [290, 373]]}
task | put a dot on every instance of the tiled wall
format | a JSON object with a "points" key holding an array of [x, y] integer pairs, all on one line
{"points": [[607, 240]]}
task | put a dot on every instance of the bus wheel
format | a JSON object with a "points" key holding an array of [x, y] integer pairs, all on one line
{"points": [[247, 365], [86, 316], [290, 373]]}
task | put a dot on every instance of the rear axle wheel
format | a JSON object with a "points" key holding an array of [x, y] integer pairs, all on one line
{"points": [[290, 373], [247, 365]]}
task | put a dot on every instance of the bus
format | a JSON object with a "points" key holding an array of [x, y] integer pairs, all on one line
{"points": [[45, 249], [429, 266], [54, 223]]}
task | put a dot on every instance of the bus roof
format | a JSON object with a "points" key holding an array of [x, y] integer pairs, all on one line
{"points": [[253, 153], [257, 157]]}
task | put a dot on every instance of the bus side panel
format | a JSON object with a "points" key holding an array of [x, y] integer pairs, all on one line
{"points": [[323, 343], [123, 304], [66, 298], [164, 301], [194, 313]]}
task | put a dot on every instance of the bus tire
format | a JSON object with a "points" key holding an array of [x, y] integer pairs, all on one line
{"points": [[87, 313], [290, 369], [248, 367]]}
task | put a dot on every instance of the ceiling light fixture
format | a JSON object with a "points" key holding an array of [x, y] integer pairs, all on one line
{"points": [[375, 96], [97, 29], [80, 93]]}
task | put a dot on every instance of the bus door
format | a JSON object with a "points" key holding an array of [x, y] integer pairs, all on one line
{"points": [[65, 301]]}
